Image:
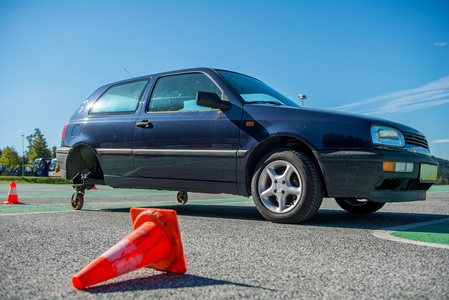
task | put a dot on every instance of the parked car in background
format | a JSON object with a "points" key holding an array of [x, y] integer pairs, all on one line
{"points": [[216, 131], [53, 169], [41, 166]]}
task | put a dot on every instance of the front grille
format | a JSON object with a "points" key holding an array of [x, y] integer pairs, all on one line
{"points": [[402, 184], [415, 185], [389, 184], [415, 139]]}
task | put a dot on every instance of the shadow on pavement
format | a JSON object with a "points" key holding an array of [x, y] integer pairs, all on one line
{"points": [[163, 281], [375, 221], [209, 211], [323, 218]]}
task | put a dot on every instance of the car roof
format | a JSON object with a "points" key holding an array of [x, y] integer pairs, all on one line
{"points": [[202, 69], [180, 71]]}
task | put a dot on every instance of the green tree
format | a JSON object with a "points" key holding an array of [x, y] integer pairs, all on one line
{"points": [[10, 158], [37, 146], [443, 170]]}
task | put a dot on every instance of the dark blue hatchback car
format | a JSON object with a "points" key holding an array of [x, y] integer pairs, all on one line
{"points": [[216, 131]]}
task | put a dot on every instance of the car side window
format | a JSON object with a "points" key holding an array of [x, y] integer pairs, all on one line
{"points": [[178, 92], [120, 99]]}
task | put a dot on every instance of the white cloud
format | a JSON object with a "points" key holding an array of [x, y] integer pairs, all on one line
{"points": [[433, 94], [441, 44], [440, 141]]}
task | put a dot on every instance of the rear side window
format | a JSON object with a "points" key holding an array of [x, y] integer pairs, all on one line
{"points": [[178, 92], [120, 99]]}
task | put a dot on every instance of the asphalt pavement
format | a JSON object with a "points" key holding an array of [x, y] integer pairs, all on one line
{"points": [[231, 251]]}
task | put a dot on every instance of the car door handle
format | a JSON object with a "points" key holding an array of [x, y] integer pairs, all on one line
{"points": [[144, 124]]}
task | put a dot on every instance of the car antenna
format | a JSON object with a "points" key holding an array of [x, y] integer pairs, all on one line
{"points": [[128, 73]]}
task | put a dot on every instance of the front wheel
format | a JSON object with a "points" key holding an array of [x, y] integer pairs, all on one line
{"points": [[358, 206], [287, 187]]}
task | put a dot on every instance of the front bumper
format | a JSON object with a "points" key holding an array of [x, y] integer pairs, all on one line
{"points": [[360, 174]]}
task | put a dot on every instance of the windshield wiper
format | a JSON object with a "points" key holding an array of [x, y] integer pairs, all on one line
{"points": [[266, 102]]}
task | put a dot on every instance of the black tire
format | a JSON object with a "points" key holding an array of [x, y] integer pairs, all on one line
{"points": [[287, 187], [77, 201], [182, 197], [358, 206]]}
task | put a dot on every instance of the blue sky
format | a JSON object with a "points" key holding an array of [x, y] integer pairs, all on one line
{"points": [[389, 58]]}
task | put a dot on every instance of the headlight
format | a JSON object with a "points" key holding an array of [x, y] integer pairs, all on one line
{"points": [[388, 136]]}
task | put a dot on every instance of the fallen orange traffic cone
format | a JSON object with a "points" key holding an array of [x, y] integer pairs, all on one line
{"points": [[155, 243], [12, 196]]}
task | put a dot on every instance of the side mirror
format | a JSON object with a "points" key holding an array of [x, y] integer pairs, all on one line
{"points": [[212, 100]]}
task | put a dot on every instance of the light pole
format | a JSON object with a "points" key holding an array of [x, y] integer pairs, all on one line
{"points": [[302, 97], [23, 159]]}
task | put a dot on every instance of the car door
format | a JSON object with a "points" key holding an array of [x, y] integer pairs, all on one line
{"points": [[174, 138], [110, 125]]}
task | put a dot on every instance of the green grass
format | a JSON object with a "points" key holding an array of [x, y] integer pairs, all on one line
{"points": [[34, 180]]}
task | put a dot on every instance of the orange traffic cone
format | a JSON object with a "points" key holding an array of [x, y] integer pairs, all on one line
{"points": [[12, 196], [155, 243], [94, 187]]}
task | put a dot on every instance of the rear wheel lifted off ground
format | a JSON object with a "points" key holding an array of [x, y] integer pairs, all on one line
{"points": [[77, 201], [358, 206], [182, 197], [287, 186]]}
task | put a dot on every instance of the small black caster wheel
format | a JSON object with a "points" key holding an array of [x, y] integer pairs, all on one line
{"points": [[182, 197], [77, 201]]}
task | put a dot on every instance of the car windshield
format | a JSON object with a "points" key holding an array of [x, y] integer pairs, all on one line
{"points": [[254, 91]]}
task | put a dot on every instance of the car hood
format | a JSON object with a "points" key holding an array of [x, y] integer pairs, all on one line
{"points": [[299, 113]]}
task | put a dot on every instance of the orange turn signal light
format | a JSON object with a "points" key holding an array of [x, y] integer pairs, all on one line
{"points": [[389, 166], [398, 167]]}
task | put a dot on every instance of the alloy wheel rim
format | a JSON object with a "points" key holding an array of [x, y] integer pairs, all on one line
{"points": [[280, 186], [356, 202]]}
